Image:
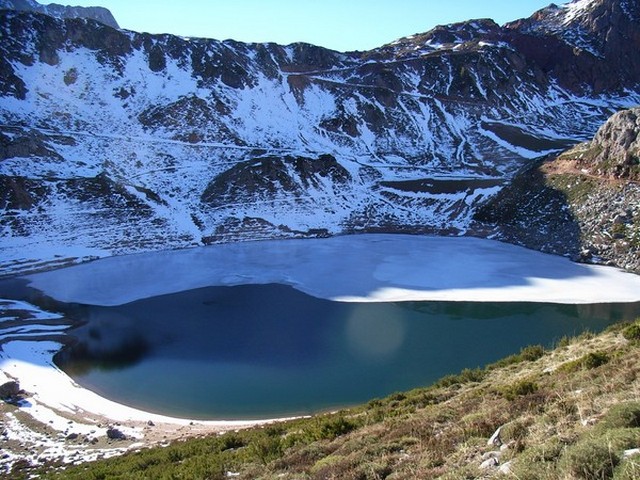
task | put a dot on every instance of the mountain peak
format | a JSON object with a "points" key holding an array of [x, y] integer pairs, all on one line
{"points": [[99, 14], [582, 41]]}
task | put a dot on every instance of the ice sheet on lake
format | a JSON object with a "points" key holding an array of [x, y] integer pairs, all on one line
{"points": [[360, 268]]}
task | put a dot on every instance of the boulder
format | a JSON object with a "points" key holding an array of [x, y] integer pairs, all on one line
{"points": [[9, 389], [115, 434]]}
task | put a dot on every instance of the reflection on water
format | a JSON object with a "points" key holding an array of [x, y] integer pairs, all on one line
{"points": [[257, 351]]}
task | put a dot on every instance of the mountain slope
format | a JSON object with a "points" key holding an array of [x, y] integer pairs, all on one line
{"points": [[584, 203], [421, 130]]}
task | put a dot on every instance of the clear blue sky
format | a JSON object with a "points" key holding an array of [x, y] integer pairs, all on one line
{"points": [[338, 24]]}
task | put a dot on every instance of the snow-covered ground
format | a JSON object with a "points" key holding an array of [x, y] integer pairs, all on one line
{"points": [[362, 268]]}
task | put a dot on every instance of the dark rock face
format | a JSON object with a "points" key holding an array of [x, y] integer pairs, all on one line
{"points": [[115, 434], [582, 44], [271, 177]]}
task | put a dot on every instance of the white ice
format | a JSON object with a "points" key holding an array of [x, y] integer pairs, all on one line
{"points": [[359, 268]]}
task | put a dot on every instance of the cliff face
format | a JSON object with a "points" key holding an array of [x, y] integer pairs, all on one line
{"points": [[615, 149], [114, 141], [584, 203]]}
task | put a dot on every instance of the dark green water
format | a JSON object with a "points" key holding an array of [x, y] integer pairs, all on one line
{"points": [[262, 351]]}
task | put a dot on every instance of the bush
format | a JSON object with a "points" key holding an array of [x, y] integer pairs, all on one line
{"points": [[467, 375], [620, 439], [527, 354], [589, 459], [594, 360], [632, 332], [629, 469], [519, 389], [589, 361], [622, 415]]}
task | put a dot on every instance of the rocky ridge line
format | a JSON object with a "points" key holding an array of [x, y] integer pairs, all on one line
{"points": [[100, 14]]}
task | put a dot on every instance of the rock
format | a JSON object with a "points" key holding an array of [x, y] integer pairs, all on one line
{"points": [[630, 453], [9, 389], [505, 468], [615, 149], [489, 463], [115, 434], [495, 438], [99, 14], [493, 454], [151, 424], [72, 436]]}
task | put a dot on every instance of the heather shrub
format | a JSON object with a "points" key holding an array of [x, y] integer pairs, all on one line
{"points": [[622, 415], [632, 332], [589, 459]]}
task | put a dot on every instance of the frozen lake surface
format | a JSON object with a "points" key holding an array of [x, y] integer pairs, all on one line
{"points": [[358, 268]]}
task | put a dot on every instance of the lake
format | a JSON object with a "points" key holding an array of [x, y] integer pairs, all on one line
{"points": [[234, 331], [263, 351]]}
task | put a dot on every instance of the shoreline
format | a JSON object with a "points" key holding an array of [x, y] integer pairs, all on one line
{"points": [[53, 419]]}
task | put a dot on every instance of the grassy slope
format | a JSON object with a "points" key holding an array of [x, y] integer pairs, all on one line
{"points": [[554, 407]]}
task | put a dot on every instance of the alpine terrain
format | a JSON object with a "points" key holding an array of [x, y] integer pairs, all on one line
{"points": [[113, 141]]}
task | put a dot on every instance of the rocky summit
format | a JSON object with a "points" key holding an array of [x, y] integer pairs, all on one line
{"points": [[113, 141]]}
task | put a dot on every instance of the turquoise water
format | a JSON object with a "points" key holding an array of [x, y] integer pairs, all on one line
{"points": [[263, 351]]}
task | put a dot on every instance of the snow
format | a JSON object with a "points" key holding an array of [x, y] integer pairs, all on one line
{"points": [[31, 363], [575, 9], [359, 268]]}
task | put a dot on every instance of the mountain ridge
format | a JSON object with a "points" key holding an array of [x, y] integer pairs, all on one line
{"points": [[99, 14]]}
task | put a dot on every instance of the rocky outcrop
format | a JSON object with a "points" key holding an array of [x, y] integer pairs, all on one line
{"points": [[584, 204], [271, 178], [615, 149], [99, 14], [9, 390]]}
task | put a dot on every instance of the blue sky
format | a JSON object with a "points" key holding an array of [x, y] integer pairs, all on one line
{"points": [[338, 24]]}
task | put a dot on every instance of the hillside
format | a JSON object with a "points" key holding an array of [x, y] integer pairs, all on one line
{"points": [[584, 203], [113, 141], [571, 412]]}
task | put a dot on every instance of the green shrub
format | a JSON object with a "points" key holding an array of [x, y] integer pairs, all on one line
{"points": [[622, 415], [527, 354], [620, 439], [594, 360], [266, 448], [632, 332], [587, 362], [629, 469], [519, 389], [467, 375], [335, 427], [589, 459]]}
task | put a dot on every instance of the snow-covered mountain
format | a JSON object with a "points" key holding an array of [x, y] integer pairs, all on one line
{"points": [[113, 141], [99, 14]]}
